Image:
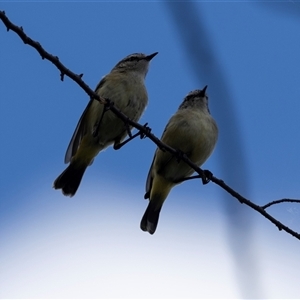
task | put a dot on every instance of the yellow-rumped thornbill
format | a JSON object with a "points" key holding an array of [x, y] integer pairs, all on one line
{"points": [[192, 131], [97, 129]]}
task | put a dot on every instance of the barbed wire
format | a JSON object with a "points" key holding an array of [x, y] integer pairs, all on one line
{"points": [[145, 131]]}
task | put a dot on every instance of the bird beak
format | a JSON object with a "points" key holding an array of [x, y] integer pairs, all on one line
{"points": [[202, 93], [149, 57]]}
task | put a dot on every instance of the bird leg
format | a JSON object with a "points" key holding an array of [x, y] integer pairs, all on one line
{"points": [[206, 177], [140, 133]]}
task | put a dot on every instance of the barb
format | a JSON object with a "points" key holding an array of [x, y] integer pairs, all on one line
{"points": [[260, 209], [279, 201], [144, 130], [45, 55]]}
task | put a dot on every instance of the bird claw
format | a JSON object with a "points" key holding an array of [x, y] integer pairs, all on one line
{"points": [[144, 134], [206, 176]]}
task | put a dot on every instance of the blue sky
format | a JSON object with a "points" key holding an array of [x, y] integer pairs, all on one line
{"points": [[206, 244]]}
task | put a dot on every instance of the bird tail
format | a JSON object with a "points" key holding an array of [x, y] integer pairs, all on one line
{"points": [[159, 192], [150, 218], [69, 179]]}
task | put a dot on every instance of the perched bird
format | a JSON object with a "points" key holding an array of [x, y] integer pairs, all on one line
{"points": [[192, 131], [97, 129]]}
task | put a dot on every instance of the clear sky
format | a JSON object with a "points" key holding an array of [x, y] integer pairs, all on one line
{"points": [[207, 244]]}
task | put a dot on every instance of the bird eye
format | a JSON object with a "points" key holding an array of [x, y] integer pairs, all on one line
{"points": [[132, 58]]}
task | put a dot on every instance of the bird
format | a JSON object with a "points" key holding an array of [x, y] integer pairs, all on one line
{"points": [[99, 128], [191, 131]]}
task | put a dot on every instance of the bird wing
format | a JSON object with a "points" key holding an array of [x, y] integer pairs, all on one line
{"points": [[77, 136], [150, 176], [177, 136], [81, 129], [149, 181]]}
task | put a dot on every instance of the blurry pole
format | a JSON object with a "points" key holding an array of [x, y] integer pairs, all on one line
{"points": [[206, 67]]}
